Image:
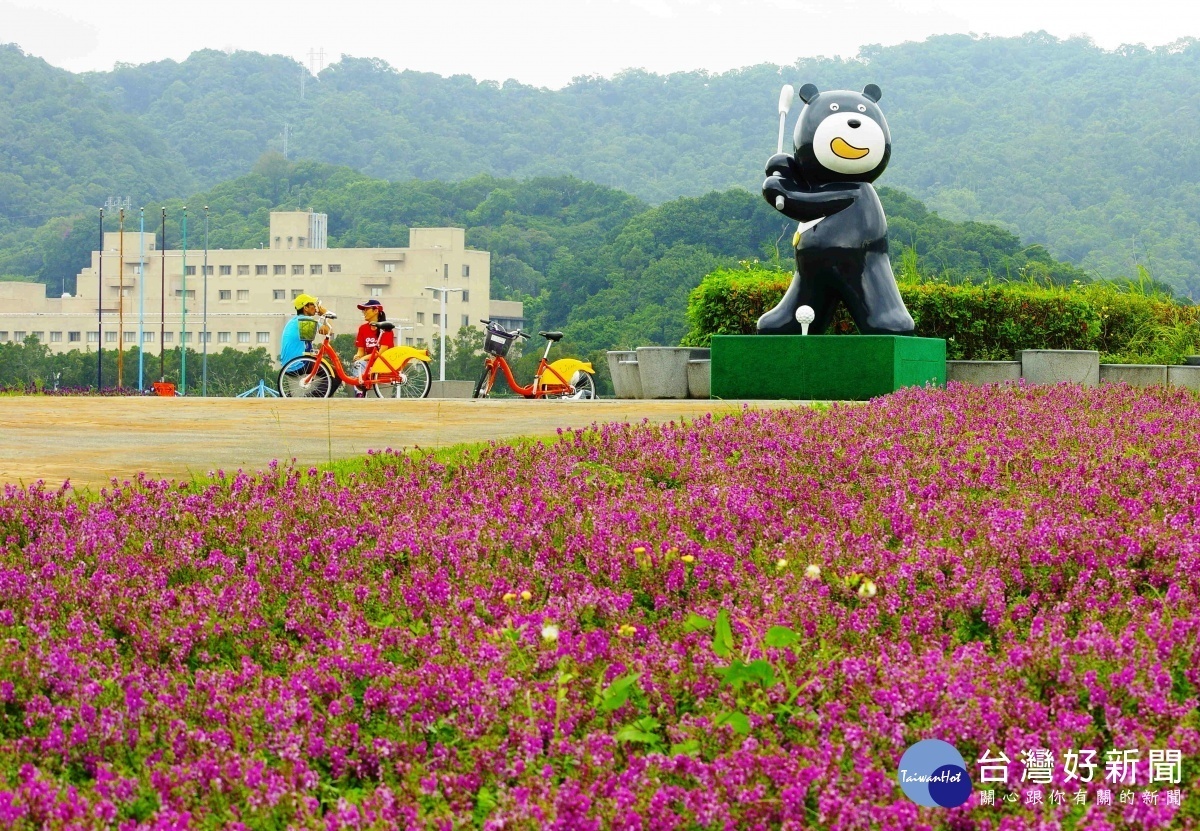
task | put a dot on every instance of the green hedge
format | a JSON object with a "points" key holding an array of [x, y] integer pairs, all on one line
{"points": [[994, 321]]}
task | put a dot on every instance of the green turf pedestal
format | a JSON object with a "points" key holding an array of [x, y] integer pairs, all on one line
{"points": [[823, 367]]}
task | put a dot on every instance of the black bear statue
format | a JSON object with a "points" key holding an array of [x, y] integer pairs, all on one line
{"points": [[842, 144]]}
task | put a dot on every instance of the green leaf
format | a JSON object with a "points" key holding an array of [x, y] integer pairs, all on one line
{"points": [[689, 748], [696, 623], [756, 672], [642, 731], [780, 637], [617, 693], [738, 721], [723, 635]]}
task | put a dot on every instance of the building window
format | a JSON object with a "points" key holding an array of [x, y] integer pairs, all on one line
{"points": [[466, 295], [277, 245], [186, 337], [56, 337], [243, 295], [147, 337], [376, 291], [281, 269], [279, 294], [437, 320], [408, 341], [389, 267], [466, 270], [466, 320], [420, 341], [315, 269], [208, 270], [130, 337], [93, 337], [446, 270], [243, 270], [296, 293], [206, 337], [168, 337], [260, 270], [299, 242], [225, 294], [72, 337], [189, 270], [297, 269], [110, 337], [40, 337], [19, 336], [263, 337], [421, 318], [243, 337], [226, 270], [289, 242], [3, 335], [335, 268], [222, 337], [191, 293]]}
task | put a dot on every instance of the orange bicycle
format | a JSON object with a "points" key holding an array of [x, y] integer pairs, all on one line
{"points": [[566, 378], [394, 372]]}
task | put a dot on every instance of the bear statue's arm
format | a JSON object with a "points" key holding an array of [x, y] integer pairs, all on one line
{"points": [[795, 202]]}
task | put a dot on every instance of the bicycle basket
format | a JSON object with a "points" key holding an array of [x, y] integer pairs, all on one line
{"points": [[497, 343]]}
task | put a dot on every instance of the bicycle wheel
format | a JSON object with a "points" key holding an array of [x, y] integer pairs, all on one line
{"points": [[483, 387], [585, 389], [415, 382], [293, 381]]}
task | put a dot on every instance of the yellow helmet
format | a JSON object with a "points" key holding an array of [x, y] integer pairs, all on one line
{"points": [[303, 300]]}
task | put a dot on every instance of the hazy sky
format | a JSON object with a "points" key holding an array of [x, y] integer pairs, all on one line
{"points": [[548, 42]]}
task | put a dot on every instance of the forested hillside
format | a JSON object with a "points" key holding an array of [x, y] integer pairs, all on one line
{"points": [[609, 268], [1091, 153]]}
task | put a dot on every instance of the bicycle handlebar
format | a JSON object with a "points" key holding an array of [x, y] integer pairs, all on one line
{"points": [[496, 327]]}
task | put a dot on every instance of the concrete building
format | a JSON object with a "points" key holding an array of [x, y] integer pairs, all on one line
{"points": [[250, 292]]}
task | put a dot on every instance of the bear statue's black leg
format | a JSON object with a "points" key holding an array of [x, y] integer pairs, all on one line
{"points": [[874, 301], [805, 290]]}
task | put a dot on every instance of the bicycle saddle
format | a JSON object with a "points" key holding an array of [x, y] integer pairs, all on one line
{"points": [[384, 325], [552, 336]]}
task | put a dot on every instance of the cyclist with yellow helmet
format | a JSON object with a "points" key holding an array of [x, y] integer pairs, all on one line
{"points": [[300, 331]]}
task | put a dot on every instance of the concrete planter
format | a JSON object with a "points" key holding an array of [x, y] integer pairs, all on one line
{"points": [[1184, 376], [699, 377], [623, 368], [451, 389], [663, 371], [1135, 375], [1057, 366], [1192, 360], [983, 372]]}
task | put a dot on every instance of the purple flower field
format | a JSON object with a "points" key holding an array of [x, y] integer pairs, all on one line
{"points": [[736, 623]]}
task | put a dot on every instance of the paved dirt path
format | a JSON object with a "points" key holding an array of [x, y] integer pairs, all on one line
{"points": [[91, 440]]}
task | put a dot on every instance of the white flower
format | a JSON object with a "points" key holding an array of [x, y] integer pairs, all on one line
{"points": [[867, 589], [550, 632], [813, 572]]}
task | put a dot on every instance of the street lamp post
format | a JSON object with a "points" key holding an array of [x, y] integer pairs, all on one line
{"points": [[442, 351]]}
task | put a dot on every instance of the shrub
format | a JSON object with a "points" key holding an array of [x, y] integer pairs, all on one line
{"points": [[991, 321]]}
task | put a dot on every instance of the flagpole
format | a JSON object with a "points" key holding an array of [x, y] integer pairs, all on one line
{"points": [[183, 307], [121, 300], [100, 310], [204, 333], [141, 298], [162, 329]]}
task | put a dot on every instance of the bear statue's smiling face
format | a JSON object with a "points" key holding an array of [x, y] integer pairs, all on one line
{"points": [[841, 136]]}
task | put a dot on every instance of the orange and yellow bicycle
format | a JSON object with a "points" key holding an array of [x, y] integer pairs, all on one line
{"points": [[393, 372], [566, 378]]}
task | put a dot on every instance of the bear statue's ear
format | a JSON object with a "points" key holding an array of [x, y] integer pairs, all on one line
{"points": [[808, 92], [873, 92]]}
